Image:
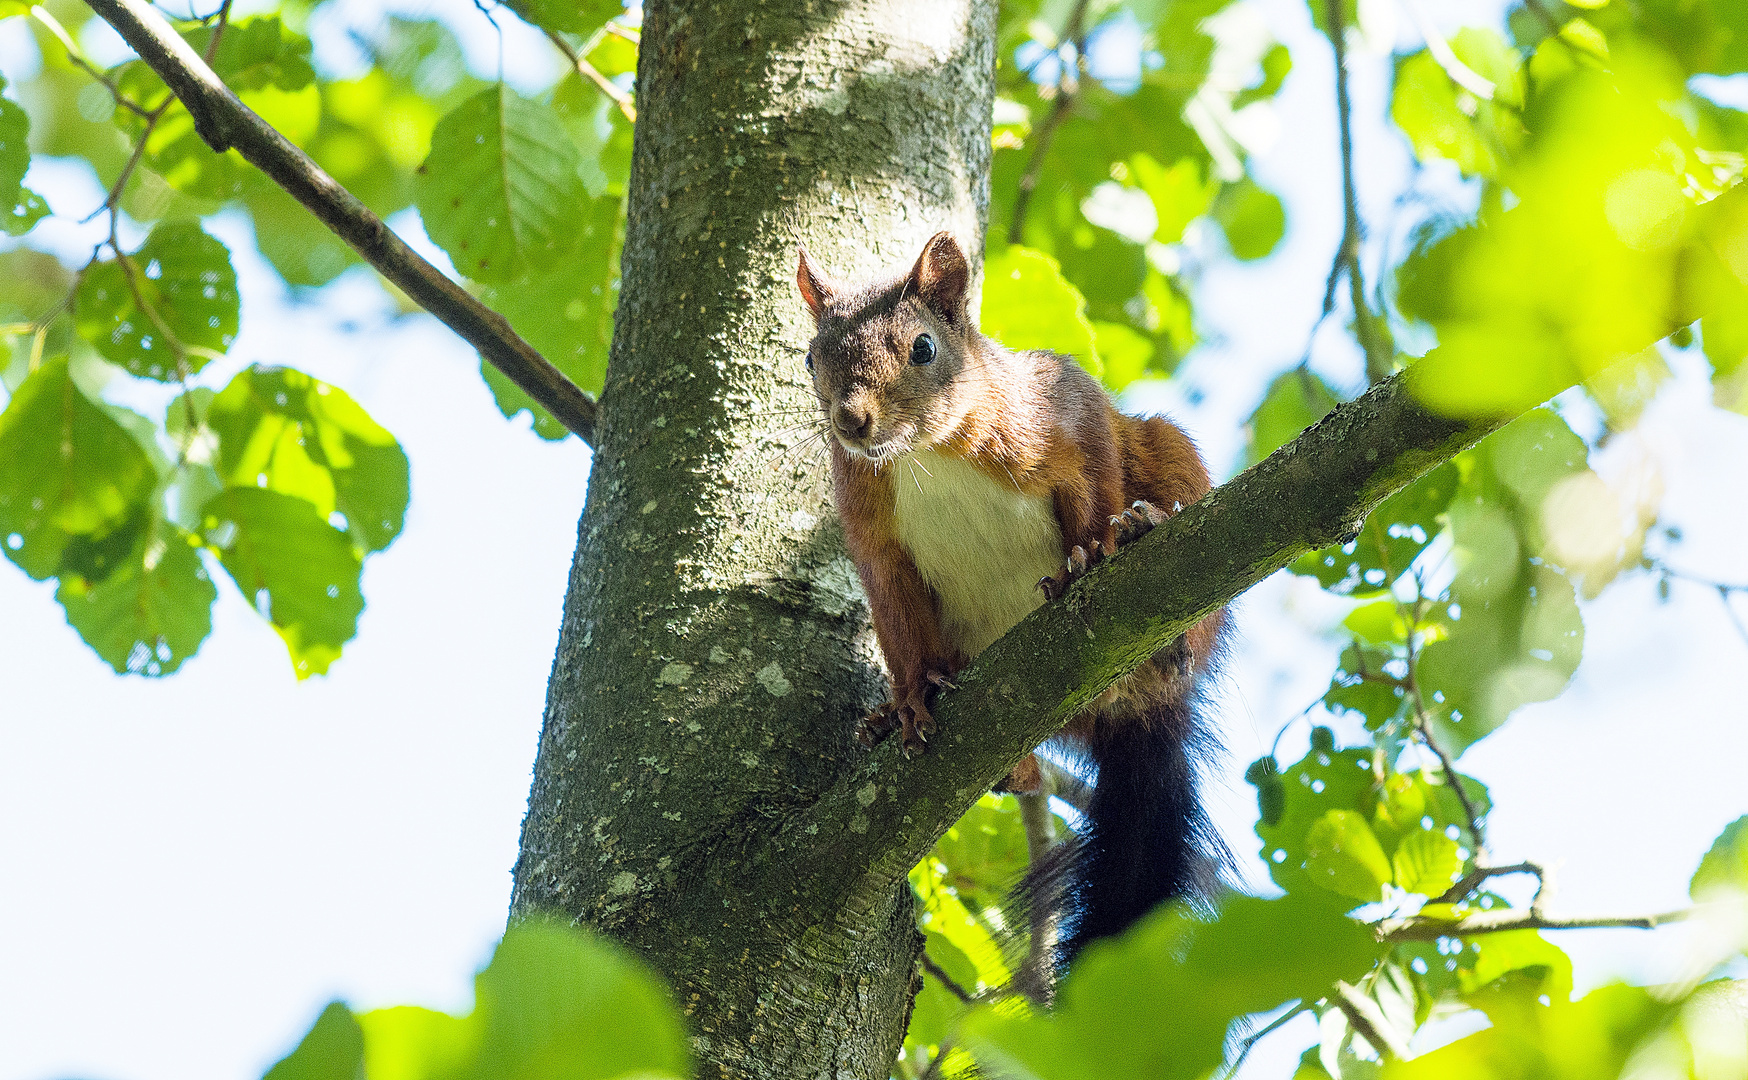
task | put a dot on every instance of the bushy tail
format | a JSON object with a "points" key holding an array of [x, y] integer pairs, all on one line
{"points": [[1147, 839]]}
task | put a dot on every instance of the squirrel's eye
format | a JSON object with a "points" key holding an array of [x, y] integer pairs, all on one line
{"points": [[922, 350], [810, 360]]}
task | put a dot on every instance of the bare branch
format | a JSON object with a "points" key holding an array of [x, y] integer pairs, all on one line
{"points": [[1367, 1021], [1380, 352], [945, 979], [1423, 928], [593, 74], [224, 123], [1475, 877]]}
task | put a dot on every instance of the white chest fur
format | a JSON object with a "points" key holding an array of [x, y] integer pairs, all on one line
{"points": [[980, 544]]}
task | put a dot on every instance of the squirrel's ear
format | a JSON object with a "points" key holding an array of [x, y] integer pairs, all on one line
{"points": [[942, 276], [815, 288]]}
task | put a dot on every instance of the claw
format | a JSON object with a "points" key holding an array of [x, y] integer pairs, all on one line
{"points": [[1052, 588], [941, 681], [1077, 561]]}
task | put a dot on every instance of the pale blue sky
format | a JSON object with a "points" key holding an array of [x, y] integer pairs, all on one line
{"points": [[193, 866]]}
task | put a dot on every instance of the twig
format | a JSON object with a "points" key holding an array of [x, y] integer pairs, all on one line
{"points": [[945, 979], [1367, 1021], [77, 56], [593, 74], [1250, 1041], [1379, 352], [1067, 87], [225, 122], [1480, 874], [1426, 928], [1723, 589]]}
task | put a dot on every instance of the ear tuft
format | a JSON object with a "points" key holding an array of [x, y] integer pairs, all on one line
{"points": [[942, 277], [816, 288]]}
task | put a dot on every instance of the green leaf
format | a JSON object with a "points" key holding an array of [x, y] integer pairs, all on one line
{"points": [[1426, 862], [1389, 541], [1724, 868], [31, 284], [298, 571], [1159, 1001], [943, 912], [151, 612], [23, 217], [20, 208], [410, 1043], [1342, 854], [556, 1004], [1027, 304], [1179, 193], [1542, 967], [300, 247], [1325, 779], [936, 1009], [72, 472], [984, 852], [183, 276], [575, 334], [1294, 401], [575, 16], [9, 8], [281, 430], [1590, 1039], [1277, 64], [333, 1050], [1253, 218], [501, 186], [1443, 119]]}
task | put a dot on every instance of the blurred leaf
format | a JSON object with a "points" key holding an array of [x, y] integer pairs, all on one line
{"points": [[936, 1009], [184, 277], [1277, 64], [944, 913], [1489, 958], [556, 1004], [1590, 1039], [1253, 219], [333, 1050], [984, 853], [9, 8], [299, 572], [31, 284], [14, 153], [1294, 401], [1257, 955], [1343, 855], [1426, 862], [281, 430], [303, 250], [410, 1043], [71, 471], [151, 612], [575, 16], [1389, 541], [1725, 865], [1443, 119], [1724, 335], [500, 186], [1125, 353], [1179, 193], [1028, 305]]}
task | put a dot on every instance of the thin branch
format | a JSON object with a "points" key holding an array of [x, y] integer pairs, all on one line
{"points": [[1723, 589], [79, 60], [1250, 1041], [1067, 87], [1424, 928], [224, 123], [1380, 352], [1473, 879], [1367, 1021], [593, 74], [945, 979]]}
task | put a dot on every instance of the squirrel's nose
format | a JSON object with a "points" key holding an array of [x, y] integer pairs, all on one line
{"points": [[853, 420]]}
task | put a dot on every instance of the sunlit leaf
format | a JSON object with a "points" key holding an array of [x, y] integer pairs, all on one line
{"points": [[1389, 540], [281, 430], [1725, 865], [1027, 304], [576, 16], [1590, 1039], [70, 472], [149, 613], [501, 186], [179, 283], [1426, 862], [1343, 855], [299, 572]]}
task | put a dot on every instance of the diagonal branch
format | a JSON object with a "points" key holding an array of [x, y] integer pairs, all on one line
{"points": [[225, 123], [882, 814]]}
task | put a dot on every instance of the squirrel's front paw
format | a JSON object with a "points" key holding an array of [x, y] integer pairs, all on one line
{"points": [[1078, 561], [915, 719], [1137, 521]]}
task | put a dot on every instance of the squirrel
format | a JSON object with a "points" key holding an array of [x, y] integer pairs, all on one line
{"points": [[974, 484]]}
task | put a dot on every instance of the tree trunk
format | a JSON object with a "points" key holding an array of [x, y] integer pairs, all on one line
{"points": [[715, 652]]}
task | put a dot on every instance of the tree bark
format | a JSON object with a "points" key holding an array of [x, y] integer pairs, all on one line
{"points": [[714, 652]]}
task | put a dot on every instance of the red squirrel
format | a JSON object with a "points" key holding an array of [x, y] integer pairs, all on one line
{"points": [[976, 483]]}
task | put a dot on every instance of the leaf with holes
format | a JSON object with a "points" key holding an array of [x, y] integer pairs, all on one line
{"points": [[152, 611], [72, 473], [20, 207], [1342, 854], [300, 572], [1426, 862], [1389, 541], [501, 188], [281, 430], [177, 291]]}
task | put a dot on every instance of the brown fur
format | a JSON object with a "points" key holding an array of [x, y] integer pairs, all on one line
{"points": [[1030, 420]]}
